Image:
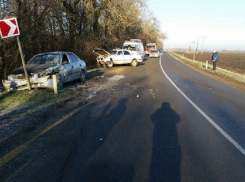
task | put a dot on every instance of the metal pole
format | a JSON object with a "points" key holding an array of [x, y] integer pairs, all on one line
{"points": [[194, 55], [195, 51], [23, 63], [206, 64], [197, 46], [55, 83], [202, 43]]}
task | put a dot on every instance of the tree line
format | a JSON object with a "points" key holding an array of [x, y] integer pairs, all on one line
{"points": [[78, 26]]}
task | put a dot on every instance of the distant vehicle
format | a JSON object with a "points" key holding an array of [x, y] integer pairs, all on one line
{"points": [[117, 56], [136, 40], [41, 67], [149, 47], [154, 53], [134, 45]]}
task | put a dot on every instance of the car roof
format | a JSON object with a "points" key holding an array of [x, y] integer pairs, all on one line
{"points": [[55, 52], [120, 50], [63, 52]]}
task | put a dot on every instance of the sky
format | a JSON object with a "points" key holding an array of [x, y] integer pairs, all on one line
{"points": [[208, 24]]}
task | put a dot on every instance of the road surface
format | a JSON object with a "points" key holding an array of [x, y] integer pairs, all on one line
{"points": [[159, 121]]}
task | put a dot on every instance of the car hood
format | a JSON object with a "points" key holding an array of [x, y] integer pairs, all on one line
{"points": [[102, 52], [31, 68]]}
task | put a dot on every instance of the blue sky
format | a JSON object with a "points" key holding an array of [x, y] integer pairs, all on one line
{"points": [[214, 25]]}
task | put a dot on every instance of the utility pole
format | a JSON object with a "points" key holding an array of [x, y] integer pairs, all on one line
{"points": [[190, 48], [197, 46], [203, 43], [195, 51]]}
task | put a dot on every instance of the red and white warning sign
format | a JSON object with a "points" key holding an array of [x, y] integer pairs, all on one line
{"points": [[9, 28]]}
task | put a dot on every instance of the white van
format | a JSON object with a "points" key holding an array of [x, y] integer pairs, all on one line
{"points": [[135, 46]]}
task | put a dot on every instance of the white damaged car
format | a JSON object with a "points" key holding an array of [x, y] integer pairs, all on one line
{"points": [[118, 56], [66, 65]]}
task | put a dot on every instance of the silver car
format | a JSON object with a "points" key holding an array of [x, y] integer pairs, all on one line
{"points": [[154, 53], [66, 65], [118, 56]]}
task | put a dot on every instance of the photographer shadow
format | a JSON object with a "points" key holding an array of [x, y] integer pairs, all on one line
{"points": [[166, 151]]}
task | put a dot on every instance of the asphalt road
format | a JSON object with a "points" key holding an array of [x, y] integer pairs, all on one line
{"points": [[161, 121]]}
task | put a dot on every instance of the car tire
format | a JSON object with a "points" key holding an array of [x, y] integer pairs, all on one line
{"points": [[82, 76], [134, 63], [109, 65]]}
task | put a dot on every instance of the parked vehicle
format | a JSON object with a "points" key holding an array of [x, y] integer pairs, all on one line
{"points": [[154, 53], [149, 47], [135, 40], [117, 56], [66, 65], [134, 45]]}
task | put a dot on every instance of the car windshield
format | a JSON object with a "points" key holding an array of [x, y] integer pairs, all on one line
{"points": [[130, 47], [45, 59]]}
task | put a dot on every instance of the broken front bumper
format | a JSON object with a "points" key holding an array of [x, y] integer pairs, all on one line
{"points": [[21, 84]]}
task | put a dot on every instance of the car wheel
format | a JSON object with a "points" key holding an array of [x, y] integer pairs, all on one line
{"points": [[134, 63], [82, 76], [109, 65]]}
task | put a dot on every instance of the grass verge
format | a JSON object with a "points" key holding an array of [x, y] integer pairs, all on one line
{"points": [[39, 97], [222, 74]]}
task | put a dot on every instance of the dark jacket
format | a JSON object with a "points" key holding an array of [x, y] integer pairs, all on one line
{"points": [[215, 56]]}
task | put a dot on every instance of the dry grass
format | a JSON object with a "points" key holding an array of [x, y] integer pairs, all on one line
{"points": [[232, 73], [232, 61]]}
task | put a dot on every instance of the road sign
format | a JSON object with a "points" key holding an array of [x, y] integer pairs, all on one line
{"points": [[9, 28]]}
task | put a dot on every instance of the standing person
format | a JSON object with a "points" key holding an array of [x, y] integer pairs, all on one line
{"points": [[215, 58]]}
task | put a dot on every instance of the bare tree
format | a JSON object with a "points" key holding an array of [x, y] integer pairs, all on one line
{"points": [[75, 25]]}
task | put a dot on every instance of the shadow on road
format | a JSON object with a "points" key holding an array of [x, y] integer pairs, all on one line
{"points": [[110, 172], [166, 151], [85, 163]]}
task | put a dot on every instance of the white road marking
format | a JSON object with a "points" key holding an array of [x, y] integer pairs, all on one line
{"points": [[228, 137], [12, 27]]}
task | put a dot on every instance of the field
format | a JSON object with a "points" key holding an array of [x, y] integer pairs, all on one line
{"points": [[232, 61]]}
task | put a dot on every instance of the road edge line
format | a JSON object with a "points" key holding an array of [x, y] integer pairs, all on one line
{"points": [[217, 127]]}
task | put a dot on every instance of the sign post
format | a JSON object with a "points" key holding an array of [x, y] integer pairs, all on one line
{"points": [[9, 28], [23, 63]]}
